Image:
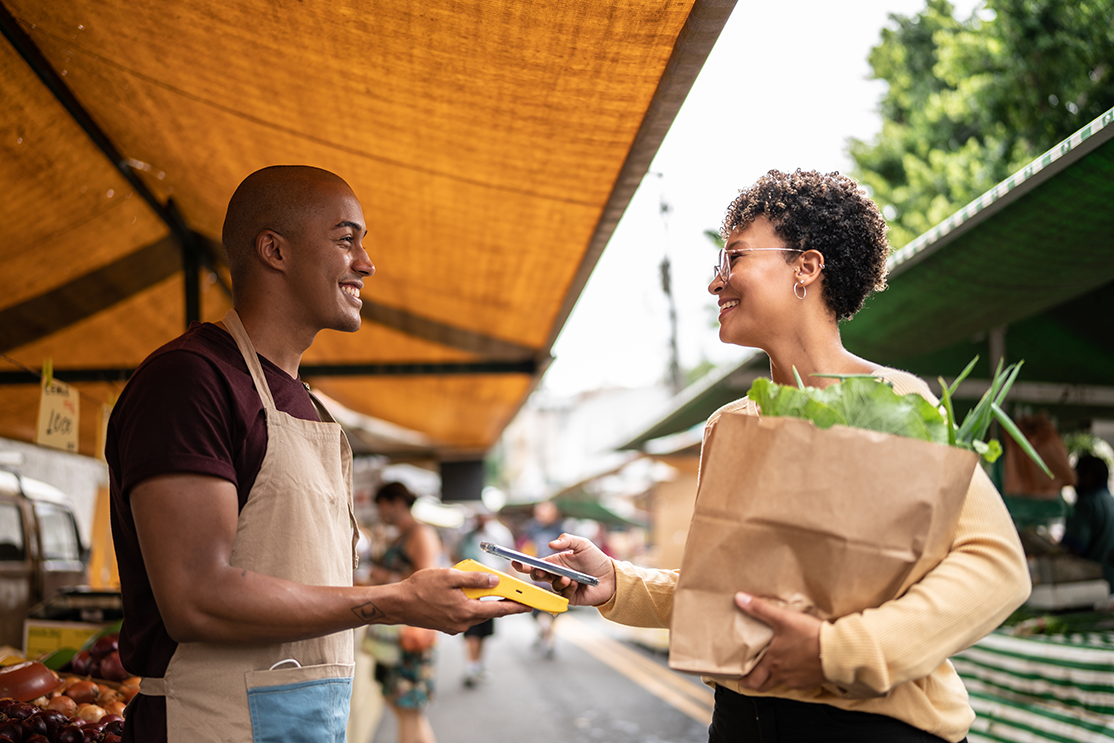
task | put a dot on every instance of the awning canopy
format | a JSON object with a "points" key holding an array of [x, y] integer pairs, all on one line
{"points": [[494, 146], [1025, 272]]}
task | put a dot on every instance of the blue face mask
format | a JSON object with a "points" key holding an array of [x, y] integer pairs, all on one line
{"points": [[314, 711]]}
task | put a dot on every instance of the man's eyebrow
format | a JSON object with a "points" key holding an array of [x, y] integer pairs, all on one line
{"points": [[353, 225]]}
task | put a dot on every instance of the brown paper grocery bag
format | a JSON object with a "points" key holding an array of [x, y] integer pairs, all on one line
{"points": [[828, 522]]}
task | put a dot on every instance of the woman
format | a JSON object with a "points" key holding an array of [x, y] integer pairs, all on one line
{"points": [[408, 684], [803, 251]]}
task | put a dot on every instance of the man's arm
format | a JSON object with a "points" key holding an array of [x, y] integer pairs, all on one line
{"points": [[187, 525]]}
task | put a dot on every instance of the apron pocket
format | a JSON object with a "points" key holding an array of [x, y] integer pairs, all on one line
{"points": [[300, 705]]}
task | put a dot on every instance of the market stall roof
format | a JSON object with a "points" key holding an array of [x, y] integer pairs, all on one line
{"points": [[1024, 272], [494, 146]]}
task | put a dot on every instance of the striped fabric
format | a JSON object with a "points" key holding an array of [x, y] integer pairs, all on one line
{"points": [[1043, 689]]}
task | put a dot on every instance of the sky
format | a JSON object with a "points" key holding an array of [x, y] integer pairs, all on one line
{"points": [[785, 86]]}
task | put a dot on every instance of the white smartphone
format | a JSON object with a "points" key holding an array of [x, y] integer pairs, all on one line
{"points": [[534, 562]]}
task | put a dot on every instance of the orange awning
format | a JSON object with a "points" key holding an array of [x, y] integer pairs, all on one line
{"points": [[494, 146]]}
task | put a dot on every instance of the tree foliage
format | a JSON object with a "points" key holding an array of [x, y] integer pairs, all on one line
{"points": [[972, 101]]}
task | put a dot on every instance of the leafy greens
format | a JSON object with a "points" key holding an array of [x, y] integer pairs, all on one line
{"points": [[863, 401]]}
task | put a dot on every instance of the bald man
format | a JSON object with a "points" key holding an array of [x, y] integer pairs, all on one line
{"points": [[231, 494]]}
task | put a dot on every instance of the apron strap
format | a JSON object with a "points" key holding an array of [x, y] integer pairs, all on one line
{"points": [[251, 358], [152, 687]]}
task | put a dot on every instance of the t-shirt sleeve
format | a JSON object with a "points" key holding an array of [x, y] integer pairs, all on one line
{"points": [[175, 417]]}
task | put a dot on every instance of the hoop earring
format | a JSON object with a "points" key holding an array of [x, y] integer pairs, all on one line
{"points": [[803, 293]]}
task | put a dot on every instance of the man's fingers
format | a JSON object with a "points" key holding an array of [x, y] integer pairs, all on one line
{"points": [[503, 608], [474, 579]]}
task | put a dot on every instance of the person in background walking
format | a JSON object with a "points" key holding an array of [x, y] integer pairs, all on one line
{"points": [[486, 528], [407, 683], [546, 526]]}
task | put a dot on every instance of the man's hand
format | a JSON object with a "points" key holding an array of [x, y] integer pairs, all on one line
{"points": [[793, 658], [433, 598], [580, 554]]}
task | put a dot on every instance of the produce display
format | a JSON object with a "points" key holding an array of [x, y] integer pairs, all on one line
{"points": [[82, 704]]}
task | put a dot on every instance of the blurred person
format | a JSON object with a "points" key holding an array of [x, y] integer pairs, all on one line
{"points": [[486, 528], [537, 533], [231, 493], [1089, 531], [408, 682], [803, 251]]}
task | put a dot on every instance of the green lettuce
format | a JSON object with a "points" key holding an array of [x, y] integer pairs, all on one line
{"points": [[862, 401]]}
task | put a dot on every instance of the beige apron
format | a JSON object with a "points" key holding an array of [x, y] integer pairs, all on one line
{"points": [[297, 524]]}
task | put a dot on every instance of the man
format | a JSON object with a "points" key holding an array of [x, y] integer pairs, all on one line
{"points": [[486, 528], [1089, 531], [546, 526], [231, 494]]}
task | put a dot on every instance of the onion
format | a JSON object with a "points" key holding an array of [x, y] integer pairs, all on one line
{"points": [[83, 692], [63, 704], [69, 734], [90, 712], [115, 708]]}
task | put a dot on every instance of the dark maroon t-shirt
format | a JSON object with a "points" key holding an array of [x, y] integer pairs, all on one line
{"points": [[191, 407]]}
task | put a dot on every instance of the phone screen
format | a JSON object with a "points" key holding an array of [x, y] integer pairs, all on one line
{"points": [[534, 562]]}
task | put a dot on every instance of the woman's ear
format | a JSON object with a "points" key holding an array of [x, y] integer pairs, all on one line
{"points": [[809, 267], [271, 248]]}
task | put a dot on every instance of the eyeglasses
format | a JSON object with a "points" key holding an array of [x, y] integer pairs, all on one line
{"points": [[723, 267]]}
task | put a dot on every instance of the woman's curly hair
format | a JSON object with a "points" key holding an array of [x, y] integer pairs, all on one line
{"points": [[824, 212]]}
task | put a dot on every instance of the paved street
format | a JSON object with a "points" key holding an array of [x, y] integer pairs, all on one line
{"points": [[597, 689]]}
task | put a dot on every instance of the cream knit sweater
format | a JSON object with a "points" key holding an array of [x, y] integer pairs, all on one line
{"points": [[899, 650]]}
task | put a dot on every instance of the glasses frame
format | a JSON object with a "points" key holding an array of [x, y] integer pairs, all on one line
{"points": [[723, 266]]}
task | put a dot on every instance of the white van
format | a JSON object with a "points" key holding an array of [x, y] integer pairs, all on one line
{"points": [[40, 550]]}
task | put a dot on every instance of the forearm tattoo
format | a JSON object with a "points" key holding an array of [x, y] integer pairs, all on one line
{"points": [[368, 613]]}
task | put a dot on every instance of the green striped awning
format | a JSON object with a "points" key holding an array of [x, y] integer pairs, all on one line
{"points": [[1045, 689]]}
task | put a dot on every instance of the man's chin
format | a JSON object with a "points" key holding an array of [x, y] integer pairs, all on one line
{"points": [[347, 324]]}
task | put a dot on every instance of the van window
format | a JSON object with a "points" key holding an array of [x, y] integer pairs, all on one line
{"points": [[11, 533], [59, 533]]}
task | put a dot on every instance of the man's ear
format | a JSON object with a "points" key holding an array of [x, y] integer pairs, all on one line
{"points": [[271, 248]]}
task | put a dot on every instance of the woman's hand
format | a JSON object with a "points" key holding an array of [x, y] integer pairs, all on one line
{"points": [[793, 657], [580, 554]]}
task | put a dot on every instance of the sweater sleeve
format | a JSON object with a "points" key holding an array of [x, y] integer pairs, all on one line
{"points": [[643, 596], [982, 579]]}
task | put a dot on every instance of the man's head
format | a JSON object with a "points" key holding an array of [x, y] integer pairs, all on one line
{"points": [[299, 228], [1091, 474], [546, 512]]}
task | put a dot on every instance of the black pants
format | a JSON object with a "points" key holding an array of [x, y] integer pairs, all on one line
{"points": [[741, 719]]}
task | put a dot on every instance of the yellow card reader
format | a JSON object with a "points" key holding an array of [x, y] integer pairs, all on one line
{"points": [[514, 589]]}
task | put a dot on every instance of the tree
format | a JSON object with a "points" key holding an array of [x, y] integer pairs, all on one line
{"points": [[972, 101]]}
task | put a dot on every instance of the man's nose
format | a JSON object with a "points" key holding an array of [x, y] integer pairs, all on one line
{"points": [[363, 264]]}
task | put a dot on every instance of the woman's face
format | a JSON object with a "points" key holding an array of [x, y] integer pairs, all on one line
{"points": [[758, 296], [389, 510]]}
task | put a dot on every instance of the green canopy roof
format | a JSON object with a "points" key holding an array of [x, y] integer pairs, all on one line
{"points": [[1024, 272]]}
